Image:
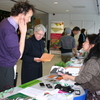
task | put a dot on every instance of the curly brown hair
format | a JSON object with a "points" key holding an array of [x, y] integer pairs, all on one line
{"points": [[21, 7]]}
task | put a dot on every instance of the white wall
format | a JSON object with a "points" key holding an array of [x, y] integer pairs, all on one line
{"points": [[43, 18], [90, 22]]}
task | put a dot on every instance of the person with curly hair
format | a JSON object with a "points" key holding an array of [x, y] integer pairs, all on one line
{"points": [[11, 49]]}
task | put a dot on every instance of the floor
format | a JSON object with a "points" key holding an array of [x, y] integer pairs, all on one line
{"points": [[46, 67]]}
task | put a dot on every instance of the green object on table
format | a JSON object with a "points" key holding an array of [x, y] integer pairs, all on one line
{"points": [[84, 54], [28, 84], [20, 95], [68, 63], [61, 64], [17, 95]]}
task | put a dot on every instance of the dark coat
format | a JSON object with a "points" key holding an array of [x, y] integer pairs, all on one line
{"points": [[30, 69], [81, 40]]}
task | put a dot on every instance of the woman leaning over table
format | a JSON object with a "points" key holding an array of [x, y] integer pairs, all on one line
{"points": [[89, 75], [34, 48]]}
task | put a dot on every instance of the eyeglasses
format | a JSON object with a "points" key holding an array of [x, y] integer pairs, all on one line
{"points": [[40, 34]]}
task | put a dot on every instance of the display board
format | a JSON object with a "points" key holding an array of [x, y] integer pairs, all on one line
{"points": [[57, 28]]}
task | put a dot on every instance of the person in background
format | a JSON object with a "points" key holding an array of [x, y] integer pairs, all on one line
{"points": [[34, 48], [75, 31], [89, 75], [10, 49], [63, 32], [63, 35], [66, 45], [82, 38]]}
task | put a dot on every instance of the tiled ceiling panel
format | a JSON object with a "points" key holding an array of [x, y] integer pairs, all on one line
{"points": [[74, 6]]}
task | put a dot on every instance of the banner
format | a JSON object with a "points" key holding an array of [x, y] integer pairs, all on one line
{"points": [[57, 28]]}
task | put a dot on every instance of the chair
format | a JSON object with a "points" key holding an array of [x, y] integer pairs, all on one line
{"points": [[82, 97]]}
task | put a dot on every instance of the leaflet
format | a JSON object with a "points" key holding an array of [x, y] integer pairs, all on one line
{"points": [[46, 57]]}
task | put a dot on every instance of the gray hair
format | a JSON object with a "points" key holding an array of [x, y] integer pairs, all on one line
{"points": [[40, 27], [68, 30]]}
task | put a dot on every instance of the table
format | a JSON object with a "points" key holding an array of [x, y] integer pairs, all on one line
{"points": [[37, 86]]}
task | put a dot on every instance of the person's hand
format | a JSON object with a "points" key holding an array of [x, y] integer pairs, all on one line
{"points": [[65, 77], [37, 59], [22, 26], [68, 67], [60, 73], [75, 54]]}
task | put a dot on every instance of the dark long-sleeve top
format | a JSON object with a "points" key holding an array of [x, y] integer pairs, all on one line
{"points": [[82, 38], [89, 76], [31, 69], [33, 48]]}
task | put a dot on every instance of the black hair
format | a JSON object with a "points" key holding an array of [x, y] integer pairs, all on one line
{"points": [[94, 51], [21, 7], [82, 30], [76, 28]]}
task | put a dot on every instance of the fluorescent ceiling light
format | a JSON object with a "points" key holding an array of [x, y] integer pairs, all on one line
{"points": [[67, 10], [55, 3]]}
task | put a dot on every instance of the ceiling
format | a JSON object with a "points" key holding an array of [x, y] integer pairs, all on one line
{"points": [[47, 6]]}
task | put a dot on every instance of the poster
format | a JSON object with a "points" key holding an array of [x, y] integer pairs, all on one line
{"points": [[57, 28]]}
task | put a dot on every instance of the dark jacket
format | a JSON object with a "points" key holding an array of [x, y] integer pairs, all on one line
{"points": [[81, 40], [30, 69]]}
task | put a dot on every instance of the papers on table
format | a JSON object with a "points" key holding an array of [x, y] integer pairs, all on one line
{"points": [[69, 82], [58, 69], [46, 57], [46, 95], [32, 92], [77, 62], [76, 65], [73, 71]]}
